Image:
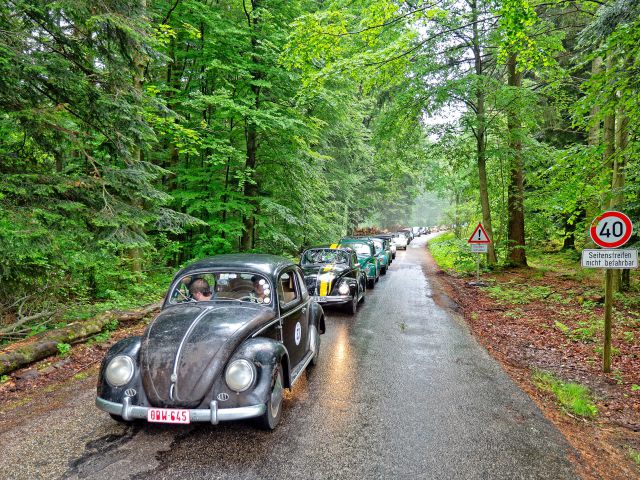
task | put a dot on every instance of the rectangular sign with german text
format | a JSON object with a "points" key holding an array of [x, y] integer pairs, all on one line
{"points": [[617, 259]]}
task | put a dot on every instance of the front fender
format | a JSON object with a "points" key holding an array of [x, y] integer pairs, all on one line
{"points": [[352, 282], [316, 317], [265, 354], [372, 270], [131, 347]]}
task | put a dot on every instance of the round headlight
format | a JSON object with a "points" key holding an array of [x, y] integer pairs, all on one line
{"points": [[343, 289], [240, 375], [119, 371]]}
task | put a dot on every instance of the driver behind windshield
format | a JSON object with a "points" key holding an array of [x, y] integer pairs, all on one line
{"points": [[200, 290], [258, 293]]}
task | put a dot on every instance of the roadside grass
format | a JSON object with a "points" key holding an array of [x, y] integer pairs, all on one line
{"points": [[136, 294], [130, 297], [105, 334], [64, 349], [635, 455], [564, 263], [518, 294], [452, 254], [572, 397], [515, 313], [586, 331]]}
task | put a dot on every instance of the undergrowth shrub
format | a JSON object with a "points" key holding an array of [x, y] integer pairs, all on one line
{"points": [[572, 397]]}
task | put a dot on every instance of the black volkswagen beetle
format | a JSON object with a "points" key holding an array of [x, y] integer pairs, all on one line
{"points": [[334, 276], [233, 332]]}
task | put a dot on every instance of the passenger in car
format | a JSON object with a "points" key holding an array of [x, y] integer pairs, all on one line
{"points": [[200, 290], [258, 288]]}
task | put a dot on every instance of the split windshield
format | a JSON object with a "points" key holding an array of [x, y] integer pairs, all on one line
{"points": [[324, 256], [361, 248], [210, 286]]}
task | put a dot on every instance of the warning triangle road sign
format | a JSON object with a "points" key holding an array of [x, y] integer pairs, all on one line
{"points": [[479, 235]]}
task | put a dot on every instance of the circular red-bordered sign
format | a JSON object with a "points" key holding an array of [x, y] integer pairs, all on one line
{"points": [[611, 229]]}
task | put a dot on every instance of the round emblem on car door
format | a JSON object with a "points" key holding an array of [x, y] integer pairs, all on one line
{"points": [[298, 333]]}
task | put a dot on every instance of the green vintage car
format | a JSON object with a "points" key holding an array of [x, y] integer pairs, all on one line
{"points": [[366, 251], [382, 251]]}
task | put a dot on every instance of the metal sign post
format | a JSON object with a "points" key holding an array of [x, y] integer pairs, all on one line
{"points": [[479, 241], [610, 231]]}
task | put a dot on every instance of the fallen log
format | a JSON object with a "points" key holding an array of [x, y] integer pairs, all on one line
{"points": [[45, 344]]}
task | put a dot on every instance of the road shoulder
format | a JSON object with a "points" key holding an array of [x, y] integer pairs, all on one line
{"points": [[602, 444]]}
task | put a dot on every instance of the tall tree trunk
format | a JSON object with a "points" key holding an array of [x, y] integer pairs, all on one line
{"points": [[592, 207], [618, 180], [618, 177], [515, 197], [456, 215], [225, 195], [609, 162], [569, 242], [481, 136], [174, 83], [251, 189], [247, 241], [139, 60]]}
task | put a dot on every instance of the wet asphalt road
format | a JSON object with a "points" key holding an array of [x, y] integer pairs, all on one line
{"points": [[402, 390]]}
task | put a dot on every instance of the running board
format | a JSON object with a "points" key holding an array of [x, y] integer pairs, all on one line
{"points": [[300, 368]]}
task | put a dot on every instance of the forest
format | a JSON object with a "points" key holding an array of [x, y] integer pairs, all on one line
{"points": [[138, 135]]}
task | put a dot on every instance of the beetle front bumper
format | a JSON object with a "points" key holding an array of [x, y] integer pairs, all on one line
{"points": [[214, 415]]}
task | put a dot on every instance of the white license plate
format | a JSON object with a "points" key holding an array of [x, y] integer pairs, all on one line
{"points": [[320, 299], [168, 415]]}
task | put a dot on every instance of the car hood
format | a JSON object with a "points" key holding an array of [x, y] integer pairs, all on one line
{"points": [[321, 279], [186, 347]]}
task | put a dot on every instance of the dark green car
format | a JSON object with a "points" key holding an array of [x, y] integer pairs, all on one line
{"points": [[382, 252], [366, 251]]}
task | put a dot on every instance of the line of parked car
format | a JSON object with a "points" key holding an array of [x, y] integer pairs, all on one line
{"points": [[235, 330]]}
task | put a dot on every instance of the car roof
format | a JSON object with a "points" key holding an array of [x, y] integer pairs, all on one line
{"points": [[328, 247], [258, 262], [371, 238], [354, 240]]}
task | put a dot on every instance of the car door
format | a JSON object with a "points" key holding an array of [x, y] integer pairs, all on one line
{"points": [[293, 310]]}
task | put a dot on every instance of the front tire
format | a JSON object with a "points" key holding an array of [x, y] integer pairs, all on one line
{"points": [[371, 283], [270, 419], [352, 306], [314, 345]]}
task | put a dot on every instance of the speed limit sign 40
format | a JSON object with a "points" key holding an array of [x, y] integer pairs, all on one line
{"points": [[611, 229]]}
